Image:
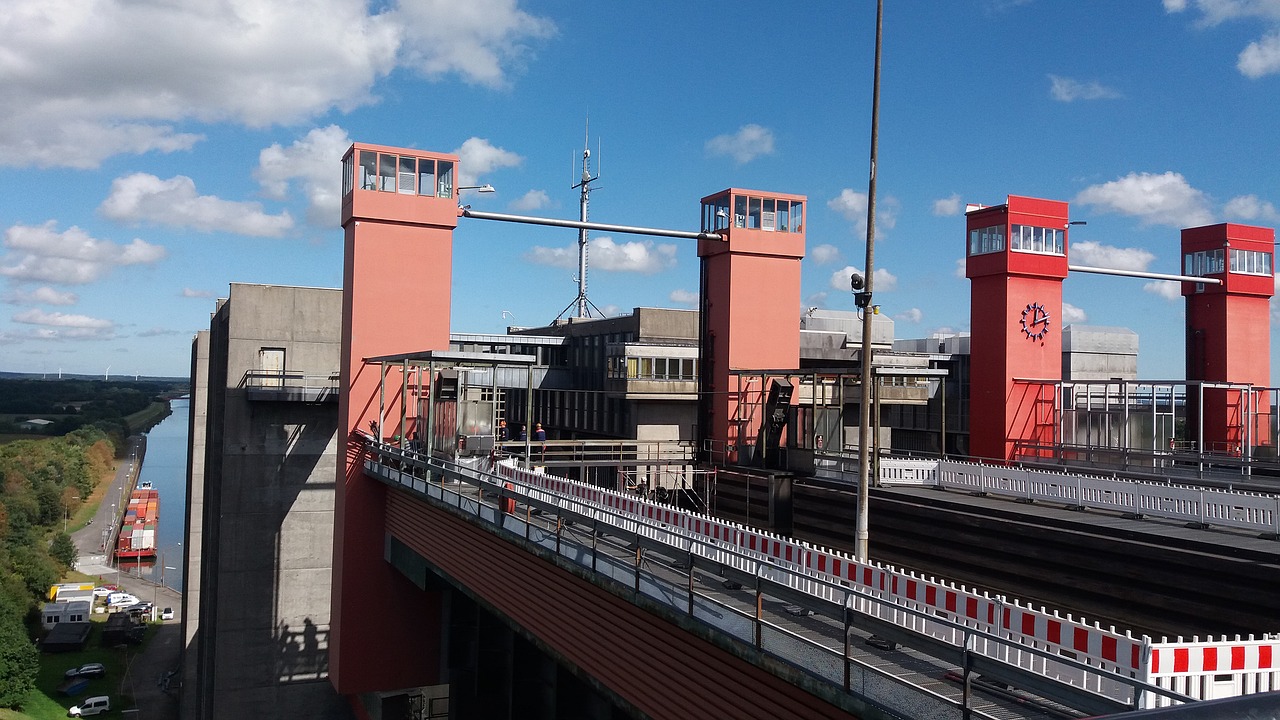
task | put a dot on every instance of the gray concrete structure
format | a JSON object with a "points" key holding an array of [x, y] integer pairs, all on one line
{"points": [[260, 524], [1095, 352]]}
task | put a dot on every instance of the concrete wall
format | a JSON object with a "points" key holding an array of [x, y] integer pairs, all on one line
{"points": [[267, 513], [193, 535]]}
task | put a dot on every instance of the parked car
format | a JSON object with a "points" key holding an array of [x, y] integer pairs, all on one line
{"points": [[121, 600], [88, 670], [91, 706], [103, 590], [166, 614]]}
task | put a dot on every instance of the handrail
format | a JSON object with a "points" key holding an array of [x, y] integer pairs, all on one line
{"points": [[783, 577]]}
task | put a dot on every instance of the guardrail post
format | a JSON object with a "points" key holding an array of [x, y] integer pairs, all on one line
{"points": [[639, 559], [965, 711], [689, 586], [759, 611], [848, 627], [595, 533]]}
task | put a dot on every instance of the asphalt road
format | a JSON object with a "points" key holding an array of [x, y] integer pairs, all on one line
{"points": [[164, 651]]}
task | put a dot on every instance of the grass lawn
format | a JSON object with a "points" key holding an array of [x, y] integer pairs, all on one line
{"points": [[46, 703]]}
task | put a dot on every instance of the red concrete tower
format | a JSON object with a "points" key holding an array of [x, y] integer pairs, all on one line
{"points": [[750, 301], [399, 210], [1229, 330], [1017, 259]]}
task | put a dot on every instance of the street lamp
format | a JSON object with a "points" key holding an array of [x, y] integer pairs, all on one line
{"points": [[155, 587], [485, 188], [66, 511]]}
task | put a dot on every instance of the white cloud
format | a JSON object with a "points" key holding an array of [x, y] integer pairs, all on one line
{"points": [[684, 297], [532, 200], [142, 197], [642, 256], [58, 325], [310, 161], [1250, 208], [1214, 12], [477, 157], [948, 206], [884, 280], [42, 254], [473, 39], [750, 142], [610, 310], [1165, 199], [1167, 289], [83, 81], [1064, 89], [193, 293], [1072, 314], [911, 315], [818, 299], [1096, 254], [161, 332], [853, 206], [962, 267], [40, 296], [823, 254], [1260, 57]]}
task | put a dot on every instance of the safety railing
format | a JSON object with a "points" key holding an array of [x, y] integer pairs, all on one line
{"points": [[1100, 670], [290, 386], [602, 452]]}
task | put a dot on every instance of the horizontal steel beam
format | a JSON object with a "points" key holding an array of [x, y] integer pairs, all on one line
{"points": [[581, 224], [1143, 274]]}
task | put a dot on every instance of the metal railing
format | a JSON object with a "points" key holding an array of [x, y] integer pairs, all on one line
{"points": [[294, 386], [842, 607]]}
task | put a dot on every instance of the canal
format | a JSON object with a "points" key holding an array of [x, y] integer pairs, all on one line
{"points": [[165, 467]]}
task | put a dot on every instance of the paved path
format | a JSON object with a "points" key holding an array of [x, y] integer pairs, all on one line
{"points": [[164, 651]]}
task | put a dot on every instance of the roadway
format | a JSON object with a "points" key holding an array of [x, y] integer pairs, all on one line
{"points": [[163, 652]]}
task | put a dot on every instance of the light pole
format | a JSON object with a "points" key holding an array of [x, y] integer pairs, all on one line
{"points": [[66, 511], [155, 587], [860, 549]]}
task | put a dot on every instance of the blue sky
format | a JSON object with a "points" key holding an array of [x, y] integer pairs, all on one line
{"points": [[153, 152]]}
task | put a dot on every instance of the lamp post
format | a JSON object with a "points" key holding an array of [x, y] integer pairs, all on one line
{"points": [[155, 587], [861, 551], [66, 511], [485, 188]]}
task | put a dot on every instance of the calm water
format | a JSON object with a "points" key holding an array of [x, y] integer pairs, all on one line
{"points": [[165, 465]]}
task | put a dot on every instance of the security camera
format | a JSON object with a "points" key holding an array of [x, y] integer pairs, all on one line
{"points": [[857, 282]]}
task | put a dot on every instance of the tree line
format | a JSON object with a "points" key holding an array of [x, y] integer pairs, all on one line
{"points": [[40, 481], [72, 404]]}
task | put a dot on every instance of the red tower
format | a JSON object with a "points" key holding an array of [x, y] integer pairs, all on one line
{"points": [[750, 299], [399, 210], [1229, 331], [1017, 259]]}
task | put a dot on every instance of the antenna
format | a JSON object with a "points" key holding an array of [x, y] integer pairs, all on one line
{"points": [[583, 305]]}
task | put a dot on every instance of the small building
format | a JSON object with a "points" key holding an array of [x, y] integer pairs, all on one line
{"points": [[67, 637], [64, 611], [35, 424]]}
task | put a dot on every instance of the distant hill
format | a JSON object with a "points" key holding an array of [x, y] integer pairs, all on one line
{"points": [[114, 379]]}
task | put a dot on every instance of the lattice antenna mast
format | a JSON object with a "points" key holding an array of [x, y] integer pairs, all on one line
{"points": [[584, 306]]}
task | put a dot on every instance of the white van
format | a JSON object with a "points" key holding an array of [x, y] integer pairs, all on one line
{"points": [[116, 599], [91, 706]]}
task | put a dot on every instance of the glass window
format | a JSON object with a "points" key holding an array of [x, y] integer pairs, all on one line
{"points": [[784, 224], [770, 215], [646, 367], [1251, 262], [753, 214], [387, 173], [368, 170], [348, 172], [687, 369], [1029, 238], [660, 368], [739, 212], [797, 216], [991, 239], [408, 172], [426, 176], [633, 367], [444, 179]]}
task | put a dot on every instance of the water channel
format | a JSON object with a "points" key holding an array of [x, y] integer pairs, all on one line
{"points": [[165, 467]]}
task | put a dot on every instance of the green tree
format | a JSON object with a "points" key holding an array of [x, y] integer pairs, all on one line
{"points": [[63, 550], [19, 661]]}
